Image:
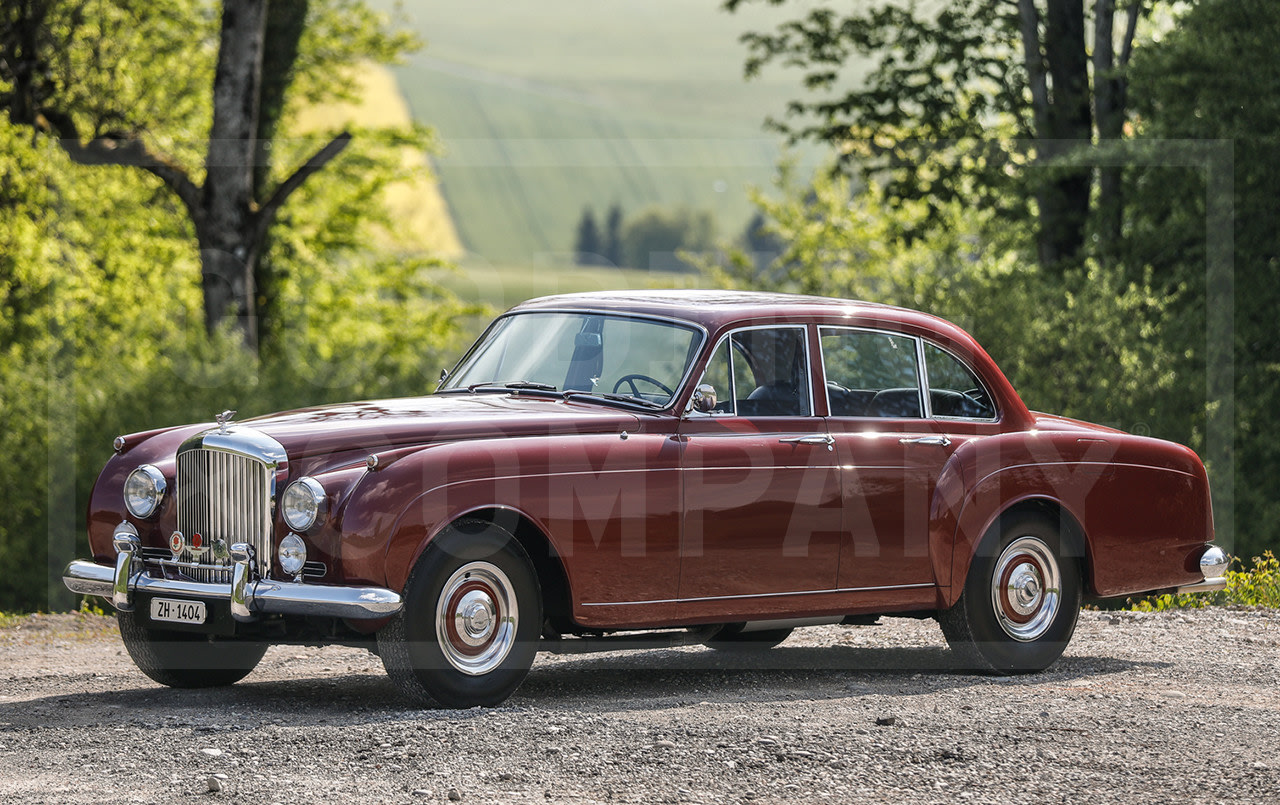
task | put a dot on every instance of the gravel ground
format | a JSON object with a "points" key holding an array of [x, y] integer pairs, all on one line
{"points": [[1170, 707]]}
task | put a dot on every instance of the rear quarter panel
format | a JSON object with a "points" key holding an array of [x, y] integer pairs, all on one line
{"points": [[1142, 504]]}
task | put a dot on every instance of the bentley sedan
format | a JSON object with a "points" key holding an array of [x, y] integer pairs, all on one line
{"points": [[642, 468]]}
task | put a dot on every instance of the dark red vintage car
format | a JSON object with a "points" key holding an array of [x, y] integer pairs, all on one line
{"points": [[657, 467]]}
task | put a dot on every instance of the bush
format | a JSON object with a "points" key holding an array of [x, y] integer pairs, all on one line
{"points": [[1257, 586]]}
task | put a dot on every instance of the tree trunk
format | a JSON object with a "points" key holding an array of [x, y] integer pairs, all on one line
{"points": [[225, 226], [1064, 209], [286, 22]]}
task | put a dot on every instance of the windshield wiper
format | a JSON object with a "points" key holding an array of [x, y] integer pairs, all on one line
{"points": [[623, 398], [493, 385]]}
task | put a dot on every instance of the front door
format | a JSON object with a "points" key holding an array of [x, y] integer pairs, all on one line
{"points": [[761, 484]]}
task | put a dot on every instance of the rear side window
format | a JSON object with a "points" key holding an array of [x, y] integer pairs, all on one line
{"points": [[871, 374], [954, 390]]}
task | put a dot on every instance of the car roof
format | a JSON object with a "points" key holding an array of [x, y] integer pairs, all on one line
{"points": [[716, 308]]}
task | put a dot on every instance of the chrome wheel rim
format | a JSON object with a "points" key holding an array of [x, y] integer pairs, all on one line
{"points": [[1026, 589], [476, 618]]}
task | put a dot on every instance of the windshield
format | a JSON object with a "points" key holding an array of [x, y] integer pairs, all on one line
{"points": [[594, 353]]}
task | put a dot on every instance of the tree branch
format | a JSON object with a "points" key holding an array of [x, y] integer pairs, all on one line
{"points": [[122, 150], [1130, 32], [267, 212]]}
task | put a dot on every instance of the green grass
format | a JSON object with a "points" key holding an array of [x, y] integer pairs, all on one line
{"points": [[503, 286], [545, 108]]}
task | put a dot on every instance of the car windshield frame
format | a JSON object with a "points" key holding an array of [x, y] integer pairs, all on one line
{"points": [[521, 387]]}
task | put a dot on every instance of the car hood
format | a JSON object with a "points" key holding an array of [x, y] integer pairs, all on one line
{"points": [[381, 424]]}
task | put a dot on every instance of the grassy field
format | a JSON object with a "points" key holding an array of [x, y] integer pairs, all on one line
{"points": [[424, 220], [503, 286], [546, 108]]}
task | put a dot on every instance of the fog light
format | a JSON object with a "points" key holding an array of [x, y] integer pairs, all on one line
{"points": [[292, 554]]}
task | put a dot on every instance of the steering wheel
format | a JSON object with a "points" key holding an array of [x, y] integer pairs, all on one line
{"points": [[631, 379]]}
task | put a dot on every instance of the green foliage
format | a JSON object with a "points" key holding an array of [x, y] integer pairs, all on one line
{"points": [[588, 248], [1256, 586], [102, 329], [1088, 344], [651, 238], [1212, 85], [932, 97]]}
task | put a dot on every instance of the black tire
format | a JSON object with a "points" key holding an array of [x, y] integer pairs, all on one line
{"points": [[477, 567], [187, 659], [732, 638], [1020, 625]]}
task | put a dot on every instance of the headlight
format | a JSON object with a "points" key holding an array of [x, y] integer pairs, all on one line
{"points": [[143, 491], [302, 504], [292, 554]]}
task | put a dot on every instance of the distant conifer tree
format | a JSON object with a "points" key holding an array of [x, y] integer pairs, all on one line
{"points": [[587, 247]]}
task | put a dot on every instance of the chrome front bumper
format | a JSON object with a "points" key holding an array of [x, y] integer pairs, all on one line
{"points": [[249, 597], [1213, 566]]}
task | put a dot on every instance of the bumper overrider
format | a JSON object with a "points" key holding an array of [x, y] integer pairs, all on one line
{"points": [[250, 597], [1213, 566]]}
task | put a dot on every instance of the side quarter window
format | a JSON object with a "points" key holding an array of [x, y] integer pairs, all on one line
{"points": [[871, 374], [954, 390]]}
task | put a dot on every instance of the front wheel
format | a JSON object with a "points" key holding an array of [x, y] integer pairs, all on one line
{"points": [[187, 659], [1020, 601], [472, 616]]}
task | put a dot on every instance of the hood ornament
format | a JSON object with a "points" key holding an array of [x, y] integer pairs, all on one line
{"points": [[222, 420]]}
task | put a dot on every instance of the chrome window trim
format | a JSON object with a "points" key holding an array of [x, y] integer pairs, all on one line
{"points": [[680, 387], [733, 380], [920, 380]]}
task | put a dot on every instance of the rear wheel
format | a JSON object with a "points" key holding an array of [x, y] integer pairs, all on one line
{"points": [[471, 621], [1020, 602], [731, 637], [187, 659]]}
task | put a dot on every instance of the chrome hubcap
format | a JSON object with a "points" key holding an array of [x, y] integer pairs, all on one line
{"points": [[476, 618], [1026, 589]]}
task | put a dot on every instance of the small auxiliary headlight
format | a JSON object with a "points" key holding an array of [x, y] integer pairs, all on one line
{"points": [[143, 491], [292, 554], [302, 503]]}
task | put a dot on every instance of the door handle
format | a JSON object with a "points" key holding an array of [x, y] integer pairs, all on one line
{"points": [[936, 441], [817, 438]]}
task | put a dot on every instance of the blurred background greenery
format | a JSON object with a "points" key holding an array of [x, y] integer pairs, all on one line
{"points": [[1104, 222]]}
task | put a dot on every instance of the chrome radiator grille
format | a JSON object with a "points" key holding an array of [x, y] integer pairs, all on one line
{"points": [[222, 496]]}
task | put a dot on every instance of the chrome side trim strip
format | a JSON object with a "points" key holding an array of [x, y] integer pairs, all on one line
{"points": [[259, 597], [757, 595]]}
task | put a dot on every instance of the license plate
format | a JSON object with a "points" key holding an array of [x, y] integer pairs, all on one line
{"points": [[167, 609]]}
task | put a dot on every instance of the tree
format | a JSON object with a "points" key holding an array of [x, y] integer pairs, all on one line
{"points": [[961, 97], [64, 73], [1213, 83], [651, 239], [613, 235], [587, 247]]}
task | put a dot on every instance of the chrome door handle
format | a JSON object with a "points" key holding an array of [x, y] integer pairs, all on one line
{"points": [[817, 438], [936, 441]]}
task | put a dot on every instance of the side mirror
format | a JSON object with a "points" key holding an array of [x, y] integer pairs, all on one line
{"points": [[704, 399]]}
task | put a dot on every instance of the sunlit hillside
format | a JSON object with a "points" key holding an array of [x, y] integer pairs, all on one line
{"points": [[547, 108]]}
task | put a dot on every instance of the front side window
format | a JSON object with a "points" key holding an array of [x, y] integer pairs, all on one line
{"points": [[871, 374], [761, 372], [594, 353], [954, 390]]}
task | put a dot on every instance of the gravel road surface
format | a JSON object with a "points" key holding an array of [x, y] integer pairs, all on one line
{"points": [[1170, 707]]}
